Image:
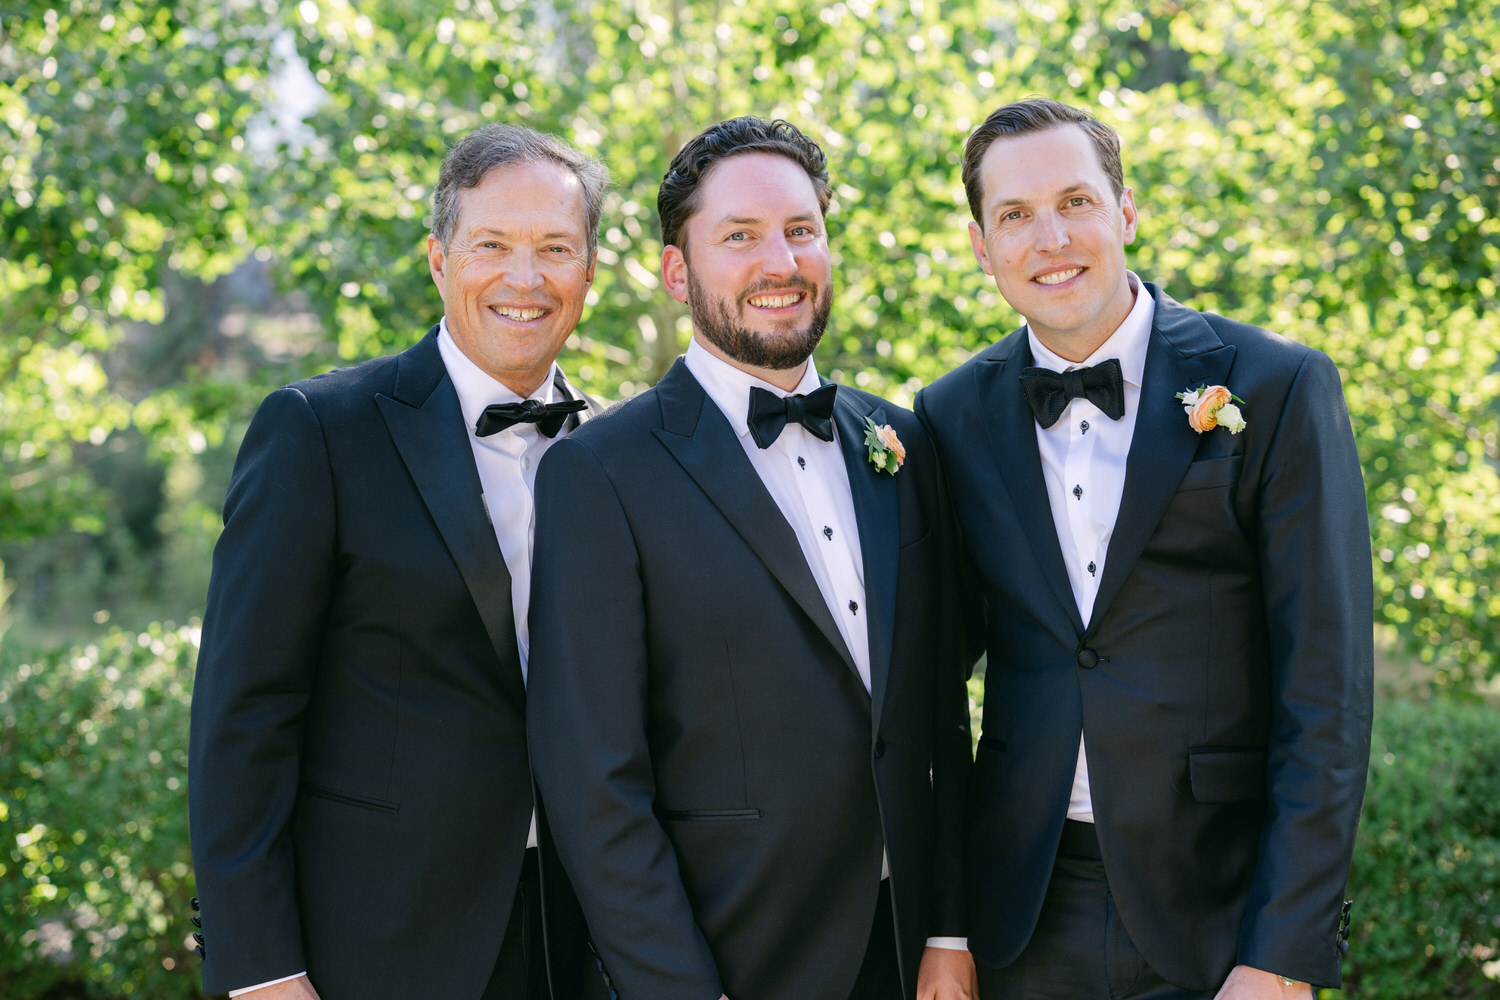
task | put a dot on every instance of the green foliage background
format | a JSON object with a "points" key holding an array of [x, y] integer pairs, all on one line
{"points": [[1426, 879], [1331, 171], [94, 866]]}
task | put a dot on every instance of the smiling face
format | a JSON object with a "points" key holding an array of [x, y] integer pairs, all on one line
{"points": [[1054, 237], [754, 267], [516, 270]]}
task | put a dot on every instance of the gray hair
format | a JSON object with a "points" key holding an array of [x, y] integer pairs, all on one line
{"points": [[501, 145]]}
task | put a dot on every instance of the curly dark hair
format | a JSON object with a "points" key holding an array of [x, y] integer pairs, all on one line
{"points": [[676, 201]]}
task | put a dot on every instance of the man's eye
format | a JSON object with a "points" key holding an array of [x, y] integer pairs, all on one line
{"points": [[738, 237]]}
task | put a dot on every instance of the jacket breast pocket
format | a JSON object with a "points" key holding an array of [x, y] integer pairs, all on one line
{"points": [[916, 546], [1211, 473], [1227, 775]]}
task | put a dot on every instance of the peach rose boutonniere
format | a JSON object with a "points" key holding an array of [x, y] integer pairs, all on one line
{"points": [[1210, 406], [887, 453]]}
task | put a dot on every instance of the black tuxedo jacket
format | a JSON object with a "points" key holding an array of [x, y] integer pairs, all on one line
{"points": [[1223, 682], [720, 781], [359, 787]]}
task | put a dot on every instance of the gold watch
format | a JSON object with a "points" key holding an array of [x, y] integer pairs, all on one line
{"points": [[1286, 981]]}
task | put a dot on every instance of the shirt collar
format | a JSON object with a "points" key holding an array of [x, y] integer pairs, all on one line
{"points": [[729, 387], [477, 388], [1128, 343]]}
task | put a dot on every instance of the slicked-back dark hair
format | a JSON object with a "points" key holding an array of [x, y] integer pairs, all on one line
{"points": [[677, 199], [1036, 114], [502, 145]]}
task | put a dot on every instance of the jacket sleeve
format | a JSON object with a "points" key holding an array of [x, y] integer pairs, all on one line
{"points": [[1313, 540], [952, 751], [587, 729], [272, 574]]}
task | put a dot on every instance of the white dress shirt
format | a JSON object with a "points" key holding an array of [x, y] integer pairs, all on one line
{"points": [[1083, 463], [507, 474], [807, 478]]}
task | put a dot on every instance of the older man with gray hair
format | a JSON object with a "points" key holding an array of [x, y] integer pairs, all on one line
{"points": [[362, 810]]}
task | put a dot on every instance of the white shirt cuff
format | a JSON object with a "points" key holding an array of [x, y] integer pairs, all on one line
{"points": [[261, 986], [951, 944]]}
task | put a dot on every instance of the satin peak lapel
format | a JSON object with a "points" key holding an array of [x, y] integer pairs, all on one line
{"points": [[876, 509], [701, 440], [427, 426], [1184, 353], [1011, 429], [574, 419]]}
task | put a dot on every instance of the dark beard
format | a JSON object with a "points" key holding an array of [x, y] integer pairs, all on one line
{"points": [[779, 351]]}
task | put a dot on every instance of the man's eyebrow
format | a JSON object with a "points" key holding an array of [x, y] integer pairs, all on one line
{"points": [[505, 233], [1083, 186], [750, 220]]}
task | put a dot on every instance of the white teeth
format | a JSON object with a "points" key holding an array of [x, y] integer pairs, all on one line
{"points": [[1058, 277], [775, 301], [520, 315]]}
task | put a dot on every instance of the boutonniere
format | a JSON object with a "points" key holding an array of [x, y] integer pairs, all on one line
{"points": [[1210, 406], [887, 453]]}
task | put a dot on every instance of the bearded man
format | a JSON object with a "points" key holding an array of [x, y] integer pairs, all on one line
{"points": [[754, 753]]}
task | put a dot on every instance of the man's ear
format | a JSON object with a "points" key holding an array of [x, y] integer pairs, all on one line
{"points": [[1132, 219], [674, 272], [981, 252], [435, 261]]}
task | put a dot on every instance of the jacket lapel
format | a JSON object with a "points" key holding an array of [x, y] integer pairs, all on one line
{"points": [[1184, 353], [1011, 429], [425, 423], [703, 443], [877, 511], [573, 392]]}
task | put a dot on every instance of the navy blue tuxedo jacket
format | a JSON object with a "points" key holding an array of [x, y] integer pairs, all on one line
{"points": [[1223, 682], [359, 788], [720, 781]]}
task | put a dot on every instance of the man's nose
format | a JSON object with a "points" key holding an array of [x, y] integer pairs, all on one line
{"points": [[777, 257], [523, 272], [1052, 232]]}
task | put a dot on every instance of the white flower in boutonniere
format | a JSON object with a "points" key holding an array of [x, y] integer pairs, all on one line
{"points": [[1210, 406], [887, 453]]}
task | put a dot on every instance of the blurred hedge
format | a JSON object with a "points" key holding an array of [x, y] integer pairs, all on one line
{"points": [[95, 872], [1426, 880]]}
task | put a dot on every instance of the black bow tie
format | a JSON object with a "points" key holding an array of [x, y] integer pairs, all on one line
{"points": [[769, 413], [548, 417], [1048, 392]]}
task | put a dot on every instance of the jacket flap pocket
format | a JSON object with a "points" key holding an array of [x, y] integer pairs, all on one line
{"points": [[317, 791], [1227, 775], [710, 815]]}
